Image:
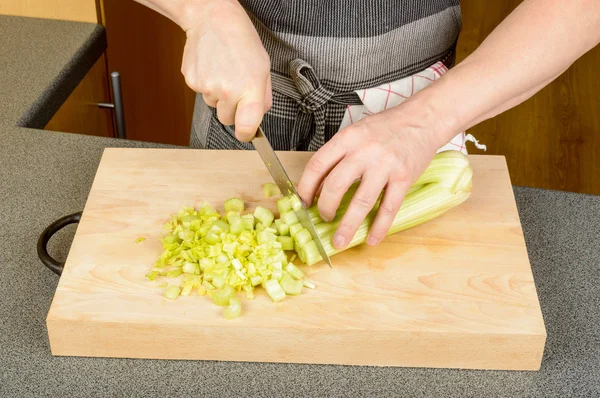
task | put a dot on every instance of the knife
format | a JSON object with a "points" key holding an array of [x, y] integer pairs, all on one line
{"points": [[270, 159]]}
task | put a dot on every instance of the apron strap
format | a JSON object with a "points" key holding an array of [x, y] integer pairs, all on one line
{"points": [[312, 97]]}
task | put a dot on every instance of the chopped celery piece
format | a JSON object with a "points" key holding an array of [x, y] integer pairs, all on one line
{"points": [[265, 237], [208, 286], [270, 189], [172, 292], [294, 229], [277, 265], [256, 280], [271, 230], [259, 227], [219, 226], [212, 238], [218, 281], [231, 214], [248, 220], [221, 296], [311, 253], [290, 285], [264, 216], [140, 239], [294, 271], [303, 236], [308, 284], [201, 291], [237, 264], [187, 289], [151, 275], [274, 290], [287, 242], [249, 292], [175, 273], [234, 204], [289, 217], [284, 205], [236, 225], [189, 268], [295, 202], [277, 274], [234, 309], [283, 229]]}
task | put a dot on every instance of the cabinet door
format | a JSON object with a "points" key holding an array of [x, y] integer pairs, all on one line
{"points": [[551, 140], [80, 113], [71, 10], [146, 49]]}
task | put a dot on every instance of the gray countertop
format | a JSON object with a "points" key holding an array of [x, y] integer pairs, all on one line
{"points": [[45, 175]]}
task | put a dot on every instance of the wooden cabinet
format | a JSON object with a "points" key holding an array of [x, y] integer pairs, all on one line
{"points": [[146, 49], [80, 112]]}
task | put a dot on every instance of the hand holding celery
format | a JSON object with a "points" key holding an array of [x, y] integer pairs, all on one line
{"points": [[223, 255]]}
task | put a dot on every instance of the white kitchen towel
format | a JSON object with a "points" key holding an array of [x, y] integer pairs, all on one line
{"points": [[389, 95]]}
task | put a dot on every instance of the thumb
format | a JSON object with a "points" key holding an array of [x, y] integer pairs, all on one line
{"points": [[248, 116]]}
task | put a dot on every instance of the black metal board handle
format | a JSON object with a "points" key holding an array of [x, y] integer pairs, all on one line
{"points": [[42, 245]]}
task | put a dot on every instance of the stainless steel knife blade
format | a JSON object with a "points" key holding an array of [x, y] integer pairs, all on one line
{"points": [[271, 161]]}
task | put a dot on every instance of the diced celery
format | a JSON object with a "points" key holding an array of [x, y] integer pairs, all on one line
{"points": [[256, 280], [175, 273], [212, 238], [189, 268], [277, 265], [284, 205], [308, 284], [249, 292], [294, 229], [265, 237], [271, 230], [248, 220], [283, 229], [234, 204], [277, 274], [172, 292], [303, 237], [236, 225], [221, 296], [187, 289], [259, 227], [207, 285], [295, 202], [290, 217], [218, 281], [270, 189], [274, 290], [264, 216], [287, 242], [234, 309], [290, 285], [294, 271]]}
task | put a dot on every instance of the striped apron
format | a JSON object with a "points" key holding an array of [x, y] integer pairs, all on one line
{"points": [[322, 52]]}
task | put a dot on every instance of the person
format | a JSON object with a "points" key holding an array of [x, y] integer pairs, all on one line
{"points": [[295, 67]]}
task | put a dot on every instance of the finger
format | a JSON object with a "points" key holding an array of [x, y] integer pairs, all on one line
{"points": [[210, 100], [226, 112], [362, 203], [318, 167], [248, 116], [335, 186], [268, 95], [388, 208]]}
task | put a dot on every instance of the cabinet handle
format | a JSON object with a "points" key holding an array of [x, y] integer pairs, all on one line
{"points": [[115, 82]]}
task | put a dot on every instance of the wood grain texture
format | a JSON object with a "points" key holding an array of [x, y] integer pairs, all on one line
{"points": [[80, 113], [147, 49], [71, 10], [456, 292], [552, 140]]}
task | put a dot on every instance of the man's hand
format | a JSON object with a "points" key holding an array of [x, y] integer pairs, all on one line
{"points": [[387, 150], [225, 61]]}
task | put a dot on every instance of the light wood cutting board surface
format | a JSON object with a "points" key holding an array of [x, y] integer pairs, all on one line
{"points": [[455, 292]]}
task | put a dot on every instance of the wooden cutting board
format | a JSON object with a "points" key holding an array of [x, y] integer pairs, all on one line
{"points": [[456, 292]]}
